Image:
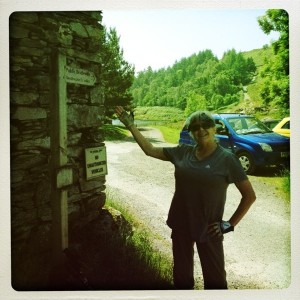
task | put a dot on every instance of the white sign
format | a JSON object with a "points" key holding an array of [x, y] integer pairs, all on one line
{"points": [[96, 162], [80, 76]]}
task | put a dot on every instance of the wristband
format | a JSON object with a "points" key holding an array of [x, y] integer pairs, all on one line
{"points": [[226, 227], [219, 228]]}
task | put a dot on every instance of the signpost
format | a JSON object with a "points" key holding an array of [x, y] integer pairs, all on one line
{"points": [[59, 159], [61, 173]]}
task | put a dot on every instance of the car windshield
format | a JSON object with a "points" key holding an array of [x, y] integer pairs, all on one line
{"points": [[248, 125]]}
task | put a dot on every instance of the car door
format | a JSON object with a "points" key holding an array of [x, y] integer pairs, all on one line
{"points": [[223, 135]]}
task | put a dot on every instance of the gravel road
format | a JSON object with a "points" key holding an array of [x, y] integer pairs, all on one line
{"points": [[257, 254]]}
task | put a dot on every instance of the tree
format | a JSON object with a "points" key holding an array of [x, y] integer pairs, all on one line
{"points": [[238, 69], [278, 20], [276, 72], [195, 102], [118, 74]]}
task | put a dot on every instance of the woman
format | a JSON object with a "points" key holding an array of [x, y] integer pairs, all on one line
{"points": [[202, 175]]}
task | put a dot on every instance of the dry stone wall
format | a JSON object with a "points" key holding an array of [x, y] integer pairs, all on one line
{"points": [[33, 38]]}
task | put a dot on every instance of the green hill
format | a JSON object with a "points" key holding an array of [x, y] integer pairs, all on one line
{"points": [[258, 108], [231, 84], [259, 55]]}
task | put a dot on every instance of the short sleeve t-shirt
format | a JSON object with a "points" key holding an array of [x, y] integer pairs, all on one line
{"points": [[200, 188]]}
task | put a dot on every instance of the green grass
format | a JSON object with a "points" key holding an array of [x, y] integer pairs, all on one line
{"points": [[285, 183], [113, 132], [277, 179], [170, 132], [159, 113], [281, 184], [259, 55], [153, 269]]}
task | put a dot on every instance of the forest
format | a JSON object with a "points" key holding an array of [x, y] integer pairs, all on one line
{"points": [[202, 81]]}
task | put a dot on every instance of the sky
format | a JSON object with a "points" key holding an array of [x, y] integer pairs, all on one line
{"points": [[159, 37]]}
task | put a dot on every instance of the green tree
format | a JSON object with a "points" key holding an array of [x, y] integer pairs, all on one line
{"points": [[240, 71], [118, 74], [195, 102], [275, 89]]}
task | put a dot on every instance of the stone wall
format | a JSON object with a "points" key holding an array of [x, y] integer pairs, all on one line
{"points": [[33, 37]]}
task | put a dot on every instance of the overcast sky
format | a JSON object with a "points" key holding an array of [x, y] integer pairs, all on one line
{"points": [[159, 37]]}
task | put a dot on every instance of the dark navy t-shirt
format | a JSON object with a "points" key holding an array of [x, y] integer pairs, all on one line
{"points": [[200, 188]]}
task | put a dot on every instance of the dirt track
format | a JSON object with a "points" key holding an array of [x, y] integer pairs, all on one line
{"points": [[257, 253]]}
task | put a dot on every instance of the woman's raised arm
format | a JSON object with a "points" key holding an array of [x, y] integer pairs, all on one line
{"points": [[146, 146]]}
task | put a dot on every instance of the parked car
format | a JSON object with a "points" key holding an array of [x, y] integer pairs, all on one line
{"points": [[283, 127], [253, 142]]}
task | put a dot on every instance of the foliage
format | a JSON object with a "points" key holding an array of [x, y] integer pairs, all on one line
{"points": [[117, 74], [194, 102], [275, 89], [199, 78], [158, 113]]}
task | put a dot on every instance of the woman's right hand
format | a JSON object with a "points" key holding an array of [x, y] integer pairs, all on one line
{"points": [[124, 117]]}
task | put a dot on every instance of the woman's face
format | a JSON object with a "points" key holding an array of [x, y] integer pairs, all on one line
{"points": [[203, 132]]}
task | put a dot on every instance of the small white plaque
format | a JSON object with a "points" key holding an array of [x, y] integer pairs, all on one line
{"points": [[96, 162]]}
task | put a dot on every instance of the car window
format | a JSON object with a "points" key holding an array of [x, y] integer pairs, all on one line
{"points": [[247, 125], [286, 125], [236, 124], [221, 127]]}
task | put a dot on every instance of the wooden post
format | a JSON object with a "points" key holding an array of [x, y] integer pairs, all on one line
{"points": [[58, 137]]}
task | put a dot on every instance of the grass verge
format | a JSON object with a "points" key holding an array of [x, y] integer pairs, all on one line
{"points": [[113, 256], [114, 132], [285, 184], [148, 267], [277, 179], [170, 132]]}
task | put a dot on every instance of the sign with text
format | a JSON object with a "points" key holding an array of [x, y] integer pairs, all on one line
{"points": [[96, 162], [80, 76]]}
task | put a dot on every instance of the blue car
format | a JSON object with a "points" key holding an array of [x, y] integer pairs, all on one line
{"points": [[253, 142]]}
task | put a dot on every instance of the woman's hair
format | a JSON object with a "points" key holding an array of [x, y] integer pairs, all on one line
{"points": [[201, 116]]}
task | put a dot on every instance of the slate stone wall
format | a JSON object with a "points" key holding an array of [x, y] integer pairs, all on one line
{"points": [[33, 37]]}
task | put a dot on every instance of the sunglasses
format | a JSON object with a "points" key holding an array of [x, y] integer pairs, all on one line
{"points": [[203, 125]]}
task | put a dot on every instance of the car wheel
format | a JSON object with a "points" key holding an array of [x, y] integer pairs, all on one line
{"points": [[246, 162]]}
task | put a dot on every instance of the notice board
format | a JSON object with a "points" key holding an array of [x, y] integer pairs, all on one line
{"points": [[96, 162]]}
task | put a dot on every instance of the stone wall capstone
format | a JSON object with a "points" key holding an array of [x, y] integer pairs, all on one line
{"points": [[33, 38]]}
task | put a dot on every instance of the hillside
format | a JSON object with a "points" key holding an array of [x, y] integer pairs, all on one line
{"points": [[196, 82], [255, 101], [201, 81], [259, 55]]}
